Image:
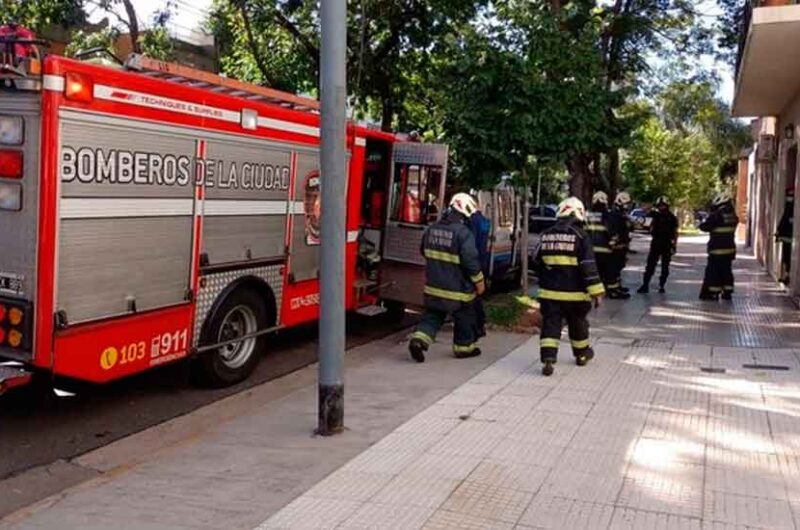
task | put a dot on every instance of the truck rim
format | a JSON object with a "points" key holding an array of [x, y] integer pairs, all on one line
{"points": [[239, 322]]}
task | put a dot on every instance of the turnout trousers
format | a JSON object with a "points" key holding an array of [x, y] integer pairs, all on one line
{"points": [[617, 264], [554, 314], [466, 327], [719, 276], [662, 254], [604, 261]]}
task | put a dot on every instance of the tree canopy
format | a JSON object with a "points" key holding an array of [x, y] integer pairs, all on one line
{"points": [[512, 85]]}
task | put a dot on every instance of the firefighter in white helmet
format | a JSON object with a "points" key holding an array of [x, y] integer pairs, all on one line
{"points": [[721, 225], [453, 281], [568, 283], [597, 226], [619, 240], [663, 244]]}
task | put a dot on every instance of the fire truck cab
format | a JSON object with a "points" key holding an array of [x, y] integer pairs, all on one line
{"points": [[154, 213]]}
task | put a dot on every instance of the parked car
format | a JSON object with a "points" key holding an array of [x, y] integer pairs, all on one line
{"points": [[638, 219], [700, 217], [541, 217]]}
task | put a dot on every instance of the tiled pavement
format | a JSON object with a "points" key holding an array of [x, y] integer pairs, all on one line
{"points": [[665, 429]]}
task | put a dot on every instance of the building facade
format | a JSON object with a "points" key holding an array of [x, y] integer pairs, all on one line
{"points": [[768, 90]]}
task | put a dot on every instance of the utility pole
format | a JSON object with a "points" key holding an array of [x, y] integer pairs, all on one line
{"points": [[333, 90], [526, 212]]}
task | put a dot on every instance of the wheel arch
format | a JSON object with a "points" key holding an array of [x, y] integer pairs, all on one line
{"points": [[252, 283]]}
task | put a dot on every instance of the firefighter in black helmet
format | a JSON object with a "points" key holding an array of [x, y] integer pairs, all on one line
{"points": [[785, 236], [453, 280], [664, 232], [568, 282], [597, 227], [620, 241], [721, 225]]}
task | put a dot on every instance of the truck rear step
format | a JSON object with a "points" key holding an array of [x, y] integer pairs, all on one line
{"points": [[12, 376]]}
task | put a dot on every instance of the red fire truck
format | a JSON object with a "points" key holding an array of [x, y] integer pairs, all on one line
{"points": [[152, 213]]}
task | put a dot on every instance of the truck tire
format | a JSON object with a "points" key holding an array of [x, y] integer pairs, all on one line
{"points": [[243, 312]]}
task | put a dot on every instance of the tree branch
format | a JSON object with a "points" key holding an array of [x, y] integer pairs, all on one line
{"points": [[253, 45], [311, 48], [133, 25]]}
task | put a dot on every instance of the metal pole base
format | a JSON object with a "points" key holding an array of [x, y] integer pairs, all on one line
{"points": [[331, 410]]}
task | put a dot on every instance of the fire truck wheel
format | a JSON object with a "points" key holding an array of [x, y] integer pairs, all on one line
{"points": [[242, 313]]}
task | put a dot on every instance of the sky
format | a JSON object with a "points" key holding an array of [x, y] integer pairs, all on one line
{"points": [[189, 15]]}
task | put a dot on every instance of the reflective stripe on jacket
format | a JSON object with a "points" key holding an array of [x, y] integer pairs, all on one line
{"points": [[597, 227], [452, 266], [566, 264], [721, 225]]}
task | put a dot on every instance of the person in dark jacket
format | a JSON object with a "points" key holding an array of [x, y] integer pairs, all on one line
{"points": [[597, 227], [785, 236], [721, 225], [453, 280], [481, 229], [664, 243], [620, 242], [568, 282]]}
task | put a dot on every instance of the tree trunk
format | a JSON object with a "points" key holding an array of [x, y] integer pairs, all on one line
{"points": [[580, 183], [387, 116], [614, 182], [526, 208], [133, 25]]}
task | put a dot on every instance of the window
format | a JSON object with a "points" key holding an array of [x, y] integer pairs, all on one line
{"points": [[505, 209], [415, 194]]}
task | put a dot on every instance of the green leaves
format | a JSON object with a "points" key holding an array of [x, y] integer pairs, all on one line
{"points": [[685, 147]]}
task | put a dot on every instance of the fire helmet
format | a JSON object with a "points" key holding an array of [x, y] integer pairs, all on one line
{"points": [[464, 204], [623, 199], [600, 197], [572, 207]]}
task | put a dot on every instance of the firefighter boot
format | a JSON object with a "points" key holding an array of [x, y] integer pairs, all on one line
{"points": [[584, 357], [475, 352], [727, 295], [661, 289], [618, 294], [644, 289], [417, 349], [547, 369]]}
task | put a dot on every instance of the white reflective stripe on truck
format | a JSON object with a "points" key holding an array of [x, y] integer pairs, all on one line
{"points": [[91, 208]]}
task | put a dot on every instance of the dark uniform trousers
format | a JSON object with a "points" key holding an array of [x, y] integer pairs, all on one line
{"points": [[662, 253], [619, 258], [466, 327], [554, 314], [719, 275], [604, 267]]}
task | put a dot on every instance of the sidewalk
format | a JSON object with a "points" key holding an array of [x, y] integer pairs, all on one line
{"points": [[665, 429], [231, 464]]}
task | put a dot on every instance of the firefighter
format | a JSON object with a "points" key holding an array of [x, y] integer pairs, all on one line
{"points": [[453, 281], [619, 241], [721, 225], [597, 228], [568, 282], [663, 245], [481, 229], [785, 235]]}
